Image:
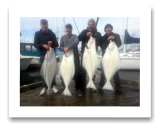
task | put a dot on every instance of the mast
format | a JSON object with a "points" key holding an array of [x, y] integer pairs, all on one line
{"points": [[76, 25], [124, 47], [64, 25], [57, 37]]}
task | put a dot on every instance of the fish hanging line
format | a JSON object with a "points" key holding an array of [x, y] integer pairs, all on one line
{"points": [[75, 25]]}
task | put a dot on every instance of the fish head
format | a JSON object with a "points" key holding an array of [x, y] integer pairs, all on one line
{"points": [[69, 53], [111, 45]]}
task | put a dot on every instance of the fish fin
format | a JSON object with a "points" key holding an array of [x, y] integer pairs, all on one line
{"points": [[66, 92], [91, 85], [108, 86]]}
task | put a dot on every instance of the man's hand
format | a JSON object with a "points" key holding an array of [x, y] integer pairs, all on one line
{"points": [[110, 38], [50, 43], [46, 47], [89, 34], [65, 49]]}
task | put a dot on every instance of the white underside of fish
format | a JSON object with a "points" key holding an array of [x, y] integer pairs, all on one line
{"points": [[110, 63], [67, 70], [90, 61], [49, 69]]}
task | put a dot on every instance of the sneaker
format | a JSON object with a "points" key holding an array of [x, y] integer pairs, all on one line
{"points": [[55, 89], [80, 93], [43, 91], [118, 90]]}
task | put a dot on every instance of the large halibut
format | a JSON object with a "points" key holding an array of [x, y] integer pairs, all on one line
{"points": [[110, 63], [67, 70], [49, 69], [90, 61]]}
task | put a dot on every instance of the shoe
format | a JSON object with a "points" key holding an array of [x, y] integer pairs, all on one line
{"points": [[55, 89], [118, 90], [80, 93], [43, 91]]}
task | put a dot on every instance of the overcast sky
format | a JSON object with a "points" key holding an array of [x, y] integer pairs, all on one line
{"points": [[29, 25]]}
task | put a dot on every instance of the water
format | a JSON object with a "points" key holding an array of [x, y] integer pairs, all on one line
{"points": [[30, 76]]}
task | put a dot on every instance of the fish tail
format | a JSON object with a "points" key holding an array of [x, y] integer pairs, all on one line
{"points": [[49, 91], [66, 92], [108, 86], [91, 85]]}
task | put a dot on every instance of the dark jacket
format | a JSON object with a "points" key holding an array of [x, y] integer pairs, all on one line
{"points": [[43, 38], [83, 37], [105, 42]]}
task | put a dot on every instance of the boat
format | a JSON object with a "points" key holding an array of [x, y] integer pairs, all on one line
{"points": [[130, 60], [25, 62], [28, 49]]}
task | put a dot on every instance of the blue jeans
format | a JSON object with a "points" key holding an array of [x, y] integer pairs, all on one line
{"points": [[43, 83]]}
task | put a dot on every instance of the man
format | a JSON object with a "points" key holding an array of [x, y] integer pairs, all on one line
{"points": [[84, 37], [105, 42], [44, 39], [68, 42]]}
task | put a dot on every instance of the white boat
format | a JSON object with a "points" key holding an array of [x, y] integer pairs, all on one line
{"points": [[130, 60], [35, 62], [25, 62]]}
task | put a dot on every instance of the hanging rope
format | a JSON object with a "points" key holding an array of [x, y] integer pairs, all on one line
{"points": [[75, 25]]}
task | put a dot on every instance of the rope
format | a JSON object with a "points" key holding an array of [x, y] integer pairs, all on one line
{"points": [[75, 25]]}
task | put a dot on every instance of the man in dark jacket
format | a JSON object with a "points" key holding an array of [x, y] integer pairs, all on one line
{"points": [[68, 42], [84, 37], [104, 44], [44, 39]]}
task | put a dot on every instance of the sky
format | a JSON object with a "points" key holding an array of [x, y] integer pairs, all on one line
{"points": [[29, 25]]}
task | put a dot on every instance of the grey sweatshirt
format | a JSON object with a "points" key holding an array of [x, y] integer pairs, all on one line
{"points": [[69, 42]]}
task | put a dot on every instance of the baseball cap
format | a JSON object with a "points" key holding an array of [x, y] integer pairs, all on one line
{"points": [[43, 21], [68, 25]]}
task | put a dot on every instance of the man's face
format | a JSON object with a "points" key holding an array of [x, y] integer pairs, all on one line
{"points": [[91, 26], [44, 26], [68, 31], [108, 30]]}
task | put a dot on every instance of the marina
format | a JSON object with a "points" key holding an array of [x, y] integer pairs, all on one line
{"points": [[129, 75]]}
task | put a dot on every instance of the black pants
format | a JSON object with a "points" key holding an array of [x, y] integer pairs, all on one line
{"points": [[43, 82], [116, 80], [77, 75]]}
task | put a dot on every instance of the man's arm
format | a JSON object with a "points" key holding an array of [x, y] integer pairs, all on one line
{"points": [[37, 41], [117, 40], [82, 35], [54, 42], [74, 43], [61, 44]]}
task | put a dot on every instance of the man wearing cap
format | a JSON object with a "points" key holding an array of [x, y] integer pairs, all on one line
{"points": [[68, 42], [84, 37], [44, 39], [104, 44]]}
